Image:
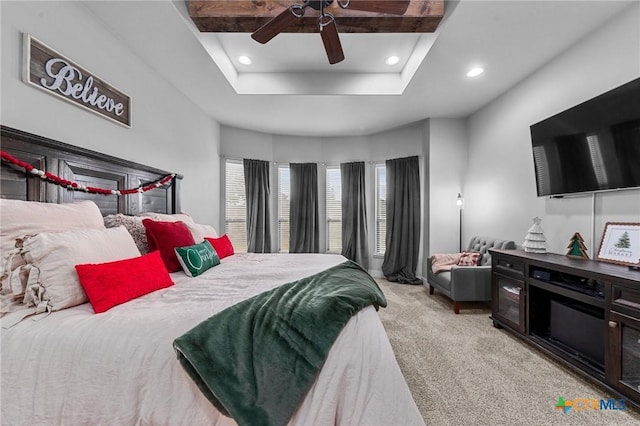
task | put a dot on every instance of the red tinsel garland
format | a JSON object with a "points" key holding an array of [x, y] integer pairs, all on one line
{"points": [[76, 186]]}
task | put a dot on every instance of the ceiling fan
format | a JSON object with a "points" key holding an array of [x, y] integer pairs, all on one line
{"points": [[326, 22]]}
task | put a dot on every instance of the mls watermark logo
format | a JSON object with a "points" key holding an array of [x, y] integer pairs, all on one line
{"points": [[590, 404]]}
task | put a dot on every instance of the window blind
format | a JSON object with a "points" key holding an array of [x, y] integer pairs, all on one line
{"points": [[380, 209], [284, 195], [334, 209], [235, 223]]}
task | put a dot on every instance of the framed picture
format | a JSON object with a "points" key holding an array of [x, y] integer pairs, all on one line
{"points": [[620, 243]]}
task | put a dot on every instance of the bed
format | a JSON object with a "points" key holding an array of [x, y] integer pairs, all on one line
{"points": [[73, 366]]}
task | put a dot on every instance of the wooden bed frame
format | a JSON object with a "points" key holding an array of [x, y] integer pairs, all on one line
{"points": [[89, 168]]}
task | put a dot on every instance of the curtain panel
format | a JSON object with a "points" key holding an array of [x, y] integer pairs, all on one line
{"points": [[303, 209], [355, 245], [256, 181], [403, 220]]}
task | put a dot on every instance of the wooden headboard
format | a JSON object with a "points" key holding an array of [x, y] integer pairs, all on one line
{"points": [[89, 168]]}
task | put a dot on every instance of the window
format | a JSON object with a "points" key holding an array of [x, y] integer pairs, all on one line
{"points": [[334, 209], [235, 221], [284, 194], [381, 209]]}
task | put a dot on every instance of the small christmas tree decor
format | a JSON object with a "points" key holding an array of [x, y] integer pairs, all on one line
{"points": [[623, 241], [535, 241], [576, 247]]}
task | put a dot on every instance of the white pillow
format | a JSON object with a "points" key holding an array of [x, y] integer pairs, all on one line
{"points": [[54, 256], [200, 231], [20, 218], [162, 217]]}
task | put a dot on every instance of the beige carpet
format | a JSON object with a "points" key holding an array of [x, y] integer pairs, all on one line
{"points": [[463, 371]]}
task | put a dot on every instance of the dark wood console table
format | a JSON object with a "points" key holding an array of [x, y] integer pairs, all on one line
{"points": [[584, 313]]}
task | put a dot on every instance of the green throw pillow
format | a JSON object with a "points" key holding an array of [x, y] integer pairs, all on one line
{"points": [[197, 259]]}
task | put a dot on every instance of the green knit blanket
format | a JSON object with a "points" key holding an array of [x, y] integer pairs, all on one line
{"points": [[256, 360]]}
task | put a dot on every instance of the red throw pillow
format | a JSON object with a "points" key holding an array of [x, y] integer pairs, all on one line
{"points": [[166, 236], [221, 245], [113, 283]]}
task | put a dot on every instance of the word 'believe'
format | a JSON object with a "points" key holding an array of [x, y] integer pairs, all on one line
{"points": [[63, 81]]}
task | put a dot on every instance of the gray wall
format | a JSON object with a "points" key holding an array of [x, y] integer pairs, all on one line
{"points": [[168, 130]]}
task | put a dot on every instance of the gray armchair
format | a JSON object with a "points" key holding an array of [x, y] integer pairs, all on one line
{"points": [[468, 283]]}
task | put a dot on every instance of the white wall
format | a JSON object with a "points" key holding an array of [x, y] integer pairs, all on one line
{"points": [[395, 143], [447, 166], [499, 186], [168, 131]]}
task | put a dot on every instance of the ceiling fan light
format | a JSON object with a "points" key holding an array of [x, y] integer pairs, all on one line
{"points": [[392, 60], [245, 60], [474, 72]]}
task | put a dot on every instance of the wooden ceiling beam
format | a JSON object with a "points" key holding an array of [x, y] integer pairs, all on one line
{"points": [[245, 16]]}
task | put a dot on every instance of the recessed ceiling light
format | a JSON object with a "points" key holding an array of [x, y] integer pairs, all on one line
{"points": [[244, 60], [392, 60], [474, 72]]}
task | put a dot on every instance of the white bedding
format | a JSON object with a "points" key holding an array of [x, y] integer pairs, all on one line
{"points": [[74, 367]]}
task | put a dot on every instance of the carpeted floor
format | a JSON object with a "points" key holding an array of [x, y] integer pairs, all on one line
{"points": [[463, 371]]}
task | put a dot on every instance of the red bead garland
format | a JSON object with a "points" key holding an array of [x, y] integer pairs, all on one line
{"points": [[75, 186]]}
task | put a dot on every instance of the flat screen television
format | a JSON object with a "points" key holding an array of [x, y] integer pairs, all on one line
{"points": [[593, 146]]}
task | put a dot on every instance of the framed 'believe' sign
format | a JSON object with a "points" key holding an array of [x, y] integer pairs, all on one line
{"points": [[48, 70]]}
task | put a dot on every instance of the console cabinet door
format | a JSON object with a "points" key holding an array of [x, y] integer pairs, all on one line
{"points": [[509, 301], [624, 340]]}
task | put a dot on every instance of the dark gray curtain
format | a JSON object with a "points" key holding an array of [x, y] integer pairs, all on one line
{"points": [[303, 208], [354, 213], [256, 183], [403, 220]]}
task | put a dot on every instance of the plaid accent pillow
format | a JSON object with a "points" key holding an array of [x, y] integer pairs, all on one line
{"points": [[469, 258]]}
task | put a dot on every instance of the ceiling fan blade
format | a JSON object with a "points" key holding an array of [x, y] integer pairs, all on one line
{"points": [[394, 7], [279, 23], [331, 39]]}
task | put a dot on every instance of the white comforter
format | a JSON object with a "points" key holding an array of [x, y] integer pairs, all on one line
{"points": [[74, 367]]}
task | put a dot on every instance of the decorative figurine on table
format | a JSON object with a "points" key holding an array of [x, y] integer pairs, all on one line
{"points": [[535, 241], [576, 247]]}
